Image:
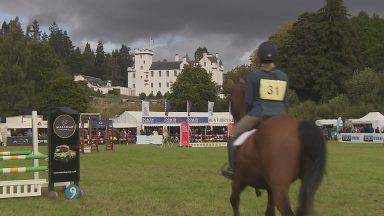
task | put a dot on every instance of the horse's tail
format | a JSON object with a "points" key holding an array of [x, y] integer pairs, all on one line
{"points": [[313, 163]]}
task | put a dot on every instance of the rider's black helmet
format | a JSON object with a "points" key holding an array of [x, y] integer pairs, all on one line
{"points": [[267, 52]]}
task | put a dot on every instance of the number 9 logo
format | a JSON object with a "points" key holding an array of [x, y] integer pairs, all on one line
{"points": [[72, 192]]}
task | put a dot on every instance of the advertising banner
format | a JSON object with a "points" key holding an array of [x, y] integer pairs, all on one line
{"points": [[361, 137], [63, 145], [184, 134]]}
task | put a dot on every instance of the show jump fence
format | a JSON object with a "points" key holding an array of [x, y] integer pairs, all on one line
{"points": [[30, 187]]}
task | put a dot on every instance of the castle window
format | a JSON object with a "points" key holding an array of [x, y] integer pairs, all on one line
{"points": [[146, 76], [151, 85], [167, 84], [143, 61], [167, 73], [159, 84], [134, 85], [205, 64], [134, 75], [175, 72], [159, 73], [151, 73]]}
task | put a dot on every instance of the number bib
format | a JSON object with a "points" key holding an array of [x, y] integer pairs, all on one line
{"points": [[272, 89]]}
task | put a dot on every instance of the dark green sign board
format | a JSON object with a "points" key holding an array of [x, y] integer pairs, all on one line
{"points": [[64, 145]]}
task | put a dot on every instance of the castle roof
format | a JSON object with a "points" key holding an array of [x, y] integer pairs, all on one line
{"points": [[165, 65]]}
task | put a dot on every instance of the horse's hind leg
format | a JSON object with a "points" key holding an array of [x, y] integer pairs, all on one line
{"points": [[281, 200], [237, 188], [271, 206]]}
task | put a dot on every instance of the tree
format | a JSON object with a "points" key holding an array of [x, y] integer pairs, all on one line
{"points": [[142, 96], [16, 90], [35, 30], [60, 41], [158, 95], [88, 60], [125, 60], [320, 52], [65, 92], [99, 61], [151, 96], [112, 69], [193, 84], [76, 61], [199, 53], [364, 87]]}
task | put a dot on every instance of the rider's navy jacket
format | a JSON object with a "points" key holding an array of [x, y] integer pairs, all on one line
{"points": [[263, 107]]}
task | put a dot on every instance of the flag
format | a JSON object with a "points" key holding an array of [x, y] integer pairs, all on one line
{"points": [[145, 107], [210, 108], [167, 107], [189, 107]]}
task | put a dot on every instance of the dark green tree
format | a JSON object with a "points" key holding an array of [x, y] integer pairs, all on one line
{"points": [[35, 30], [125, 60], [158, 95], [100, 61], [142, 96], [76, 62], [88, 60], [60, 41], [199, 53], [320, 53], [16, 90], [65, 92], [193, 84]]}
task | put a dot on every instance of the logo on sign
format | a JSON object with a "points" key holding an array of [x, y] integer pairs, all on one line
{"points": [[64, 126], [346, 138], [368, 138]]}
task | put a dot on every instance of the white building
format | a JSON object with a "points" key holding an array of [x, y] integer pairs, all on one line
{"points": [[150, 77], [99, 85]]}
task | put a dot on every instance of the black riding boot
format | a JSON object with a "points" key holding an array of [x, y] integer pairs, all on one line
{"points": [[230, 171]]}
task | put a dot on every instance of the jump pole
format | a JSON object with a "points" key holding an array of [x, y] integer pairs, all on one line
{"points": [[15, 153], [35, 144], [23, 157], [23, 169]]}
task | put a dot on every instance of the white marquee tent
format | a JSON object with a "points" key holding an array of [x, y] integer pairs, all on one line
{"points": [[374, 118]]}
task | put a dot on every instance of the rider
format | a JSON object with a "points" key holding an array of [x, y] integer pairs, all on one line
{"points": [[265, 95]]}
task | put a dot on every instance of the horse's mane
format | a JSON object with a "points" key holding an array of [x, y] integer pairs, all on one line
{"points": [[237, 90]]}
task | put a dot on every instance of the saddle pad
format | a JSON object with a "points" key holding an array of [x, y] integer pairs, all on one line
{"points": [[240, 140]]}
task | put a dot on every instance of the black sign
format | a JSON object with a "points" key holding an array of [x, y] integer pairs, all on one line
{"points": [[346, 137], [368, 138], [64, 145]]}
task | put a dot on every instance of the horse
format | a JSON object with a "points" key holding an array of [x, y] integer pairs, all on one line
{"points": [[282, 150]]}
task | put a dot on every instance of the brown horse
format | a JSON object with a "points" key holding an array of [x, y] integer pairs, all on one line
{"points": [[282, 150]]}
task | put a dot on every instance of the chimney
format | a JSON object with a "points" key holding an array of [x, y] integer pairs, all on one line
{"points": [[177, 58], [217, 55]]}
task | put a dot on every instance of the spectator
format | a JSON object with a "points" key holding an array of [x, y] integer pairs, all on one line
{"points": [[377, 130]]}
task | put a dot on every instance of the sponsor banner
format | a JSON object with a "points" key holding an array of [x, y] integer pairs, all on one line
{"points": [[361, 137], [173, 120], [102, 123], [64, 145], [184, 134]]}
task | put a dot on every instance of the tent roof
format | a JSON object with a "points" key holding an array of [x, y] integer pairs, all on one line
{"points": [[370, 118], [321, 122]]}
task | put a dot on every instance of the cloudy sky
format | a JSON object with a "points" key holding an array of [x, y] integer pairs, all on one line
{"points": [[232, 28]]}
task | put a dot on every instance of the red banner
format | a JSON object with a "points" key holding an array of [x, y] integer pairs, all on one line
{"points": [[184, 134], [230, 128]]}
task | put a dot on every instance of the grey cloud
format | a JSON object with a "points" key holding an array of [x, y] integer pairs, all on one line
{"points": [[230, 27]]}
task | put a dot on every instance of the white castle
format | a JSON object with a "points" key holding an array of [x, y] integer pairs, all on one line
{"points": [[150, 77]]}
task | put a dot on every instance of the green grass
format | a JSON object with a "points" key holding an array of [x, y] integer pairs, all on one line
{"points": [[147, 180]]}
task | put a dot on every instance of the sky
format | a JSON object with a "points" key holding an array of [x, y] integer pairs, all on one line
{"points": [[232, 28]]}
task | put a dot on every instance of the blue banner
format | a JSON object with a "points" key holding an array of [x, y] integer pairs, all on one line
{"points": [[102, 123]]}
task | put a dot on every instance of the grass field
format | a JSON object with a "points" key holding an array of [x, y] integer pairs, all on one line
{"points": [[147, 180]]}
